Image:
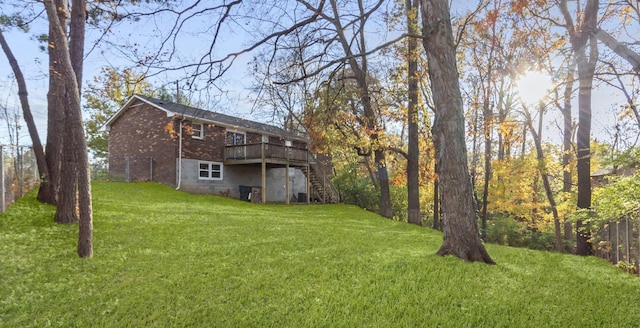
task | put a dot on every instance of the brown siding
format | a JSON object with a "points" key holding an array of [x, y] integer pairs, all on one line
{"points": [[253, 138], [299, 144], [209, 148], [276, 140], [140, 137]]}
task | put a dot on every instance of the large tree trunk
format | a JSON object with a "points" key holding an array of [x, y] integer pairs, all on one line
{"points": [[586, 68], [67, 195], [461, 237], [79, 141], [413, 151], [76, 131], [28, 118], [583, 246], [55, 130], [76, 39], [56, 104], [383, 177]]}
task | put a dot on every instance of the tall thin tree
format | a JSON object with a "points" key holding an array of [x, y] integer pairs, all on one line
{"points": [[582, 38], [542, 169], [28, 118], [360, 71], [55, 113], [74, 126], [67, 200], [461, 235], [413, 151]]}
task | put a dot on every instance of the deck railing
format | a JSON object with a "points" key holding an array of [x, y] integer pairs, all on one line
{"points": [[266, 151]]}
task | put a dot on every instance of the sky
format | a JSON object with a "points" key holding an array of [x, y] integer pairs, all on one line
{"points": [[37, 84], [142, 36]]}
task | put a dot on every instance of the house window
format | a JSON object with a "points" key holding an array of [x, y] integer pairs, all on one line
{"points": [[235, 138], [197, 130], [287, 143], [265, 139], [209, 171]]}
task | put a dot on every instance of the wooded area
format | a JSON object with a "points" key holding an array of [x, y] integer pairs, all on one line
{"points": [[417, 103]]}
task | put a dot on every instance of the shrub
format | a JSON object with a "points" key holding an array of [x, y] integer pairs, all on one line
{"points": [[399, 203], [357, 190], [510, 232]]}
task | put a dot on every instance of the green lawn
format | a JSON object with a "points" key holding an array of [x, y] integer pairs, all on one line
{"points": [[167, 258]]}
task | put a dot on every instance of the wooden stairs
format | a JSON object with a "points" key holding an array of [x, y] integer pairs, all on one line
{"points": [[321, 189]]}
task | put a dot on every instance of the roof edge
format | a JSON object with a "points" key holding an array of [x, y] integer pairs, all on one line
{"points": [[170, 113], [126, 105]]}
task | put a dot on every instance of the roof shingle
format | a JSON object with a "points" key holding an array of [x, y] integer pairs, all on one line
{"points": [[221, 119]]}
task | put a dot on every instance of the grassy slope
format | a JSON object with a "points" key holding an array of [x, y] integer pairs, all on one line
{"points": [[166, 258]]}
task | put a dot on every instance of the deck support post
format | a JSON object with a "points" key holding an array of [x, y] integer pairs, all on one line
{"points": [[308, 183], [286, 184], [264, 177]]}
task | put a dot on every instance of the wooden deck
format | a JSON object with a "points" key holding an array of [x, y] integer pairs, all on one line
{"points": [[259, 153], [267, 155]]}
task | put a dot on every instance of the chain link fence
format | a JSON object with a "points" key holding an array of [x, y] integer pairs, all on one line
{"points": [[619, 243], [19, 173], [131, 168]]}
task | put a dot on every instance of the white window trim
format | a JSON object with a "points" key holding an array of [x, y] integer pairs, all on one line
{"points": [[201, 130], [235, 132], [210, 164]]}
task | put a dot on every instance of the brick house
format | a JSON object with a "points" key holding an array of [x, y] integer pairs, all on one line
{"points": [[204, 152]]}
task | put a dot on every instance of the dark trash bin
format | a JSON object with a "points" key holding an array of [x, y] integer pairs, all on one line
{"points": [[245, 191]]}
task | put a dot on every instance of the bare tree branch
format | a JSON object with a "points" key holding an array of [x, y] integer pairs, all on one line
{"points": [[619, 48], [345, 58], [467, 20]]}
